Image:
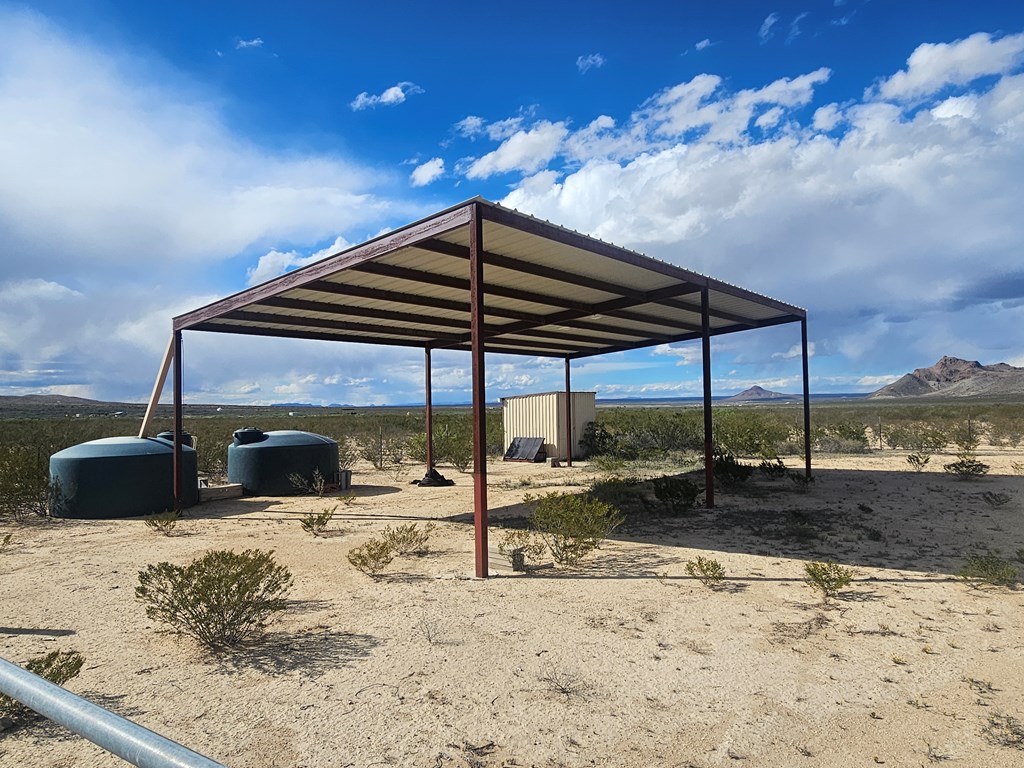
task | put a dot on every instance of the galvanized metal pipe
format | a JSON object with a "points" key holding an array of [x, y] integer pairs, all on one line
{"points": [[129, 741]]}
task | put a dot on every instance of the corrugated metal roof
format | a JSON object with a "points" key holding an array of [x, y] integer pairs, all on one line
{"points": [[547, 291]]}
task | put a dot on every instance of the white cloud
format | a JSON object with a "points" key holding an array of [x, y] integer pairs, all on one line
{"points": [[933, 66], [900, 234], [826, 118], [794, 27], [795, 351], [765, 32], [688, 355], [34, 289], [588, 62], [274, 262], [470, 126], [427, 172], [396, 94], [702, 44], [256, 42], [525, 150]]}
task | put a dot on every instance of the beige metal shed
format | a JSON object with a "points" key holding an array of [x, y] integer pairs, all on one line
{"points": [[543, 415]]}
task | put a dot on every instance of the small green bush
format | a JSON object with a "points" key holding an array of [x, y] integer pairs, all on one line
{"points": [[730, 472], [966, 467], [316, 483], [1004, 731], [519, 546], [773, 470], [988, 568], [918, 461], [572, 525], [709, 572], [828, 578], [677, 493], [316, 522], [57, 666], [408, 539], [220, 599], [163, 522], [372, 557]]}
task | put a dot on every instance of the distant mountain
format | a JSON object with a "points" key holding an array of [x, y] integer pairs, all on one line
{"points": [[953, 377], [60, 400], [758, 395]]}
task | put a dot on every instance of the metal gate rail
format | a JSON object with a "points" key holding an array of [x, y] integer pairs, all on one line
{"points": [[138, 745]]}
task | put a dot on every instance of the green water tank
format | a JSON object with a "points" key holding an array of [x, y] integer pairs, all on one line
{"points": [[120, 477], [265, 462]]}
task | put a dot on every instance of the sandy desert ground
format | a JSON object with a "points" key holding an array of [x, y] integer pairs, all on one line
{"points": [[626, 661]]}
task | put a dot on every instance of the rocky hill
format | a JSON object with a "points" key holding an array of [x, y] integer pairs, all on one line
{"points": [[953, 377], [757, 394]]}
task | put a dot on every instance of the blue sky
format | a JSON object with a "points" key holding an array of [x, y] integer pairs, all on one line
{"points": [[859, 159]]}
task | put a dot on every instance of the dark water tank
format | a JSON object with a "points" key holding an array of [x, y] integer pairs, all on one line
{"points": [[264, 462], [186, 438], [120, 477]]}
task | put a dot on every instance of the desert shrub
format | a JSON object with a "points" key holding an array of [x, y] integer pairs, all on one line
{"points": [[709, 572], [749, 431], [518, 546], [57, 666], [6, 541], [988, 568], [828, 578], [1006, 431], [372, 557], [596, 440], [316, 522], [163, 522], [25, 484], [840, 437], [677, 493], [572, 525], [384, 451], [918, 461], [773, 470], [730, 472], [315, 483], [1017, 467], [220, 599], [618, 491], [408, 539], [1004, 731], [966, 435], [966, 467]]}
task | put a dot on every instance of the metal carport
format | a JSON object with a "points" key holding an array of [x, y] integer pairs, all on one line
{"points": [[483, 278]]}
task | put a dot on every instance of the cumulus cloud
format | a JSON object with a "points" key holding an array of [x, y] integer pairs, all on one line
{"points": [[588, 62], [396, 94], [470, 126], [702, 44], [256, 42], [120, 193], [427, 172], [525, 150], [871, 214], [274, 262], [934, 66]]}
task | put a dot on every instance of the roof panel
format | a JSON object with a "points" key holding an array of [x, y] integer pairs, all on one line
{"points": [[547, 291]]}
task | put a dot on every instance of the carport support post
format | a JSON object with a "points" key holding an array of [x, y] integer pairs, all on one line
{"points": [[807, 400], [476, 301], [429, 425], [568, 416], [176, 437], [705, 349]]}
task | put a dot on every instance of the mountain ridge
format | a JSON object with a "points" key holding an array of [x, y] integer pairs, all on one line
{"points": [[955, 377]]}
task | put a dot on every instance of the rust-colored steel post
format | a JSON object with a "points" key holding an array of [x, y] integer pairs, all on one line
{"points": [[568, 416], [476, 301], [705, 349], [178, 469], [807, 401], [429, 425]]}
